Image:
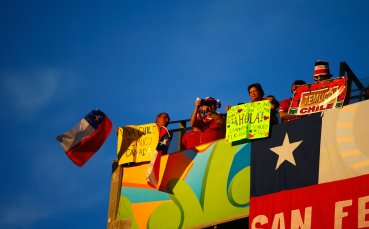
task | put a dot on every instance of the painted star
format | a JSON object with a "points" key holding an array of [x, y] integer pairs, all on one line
{"points": [[285, 151]]}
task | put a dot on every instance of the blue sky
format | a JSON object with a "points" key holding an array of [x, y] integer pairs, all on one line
{"points": [[132, 60]]}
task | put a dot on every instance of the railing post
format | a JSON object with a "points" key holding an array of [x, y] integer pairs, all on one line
{"points": [[180, 131], [115, 190], [182, 126], [344, 68]]}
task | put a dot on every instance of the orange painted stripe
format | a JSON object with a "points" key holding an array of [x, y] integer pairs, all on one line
{"points": [[349, 108], [345, 139], [361, 164], [143, 211], [344, 124], [351, 153]]}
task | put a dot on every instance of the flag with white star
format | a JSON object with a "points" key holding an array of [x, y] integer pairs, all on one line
{"points": [[86, 137], [288, 159], [164, 141], [152, 174], [313, 172]]}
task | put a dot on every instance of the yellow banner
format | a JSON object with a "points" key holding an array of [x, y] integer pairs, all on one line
{"points": [[249, 120], [137, 143]]}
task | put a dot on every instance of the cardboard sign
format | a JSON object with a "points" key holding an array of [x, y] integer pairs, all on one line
{"points": [[319, 96], [137, 143], [249, 120]]}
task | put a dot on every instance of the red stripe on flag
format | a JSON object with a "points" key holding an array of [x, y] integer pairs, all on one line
{"points": [[152, 175], [338, 204], [82, 152]]}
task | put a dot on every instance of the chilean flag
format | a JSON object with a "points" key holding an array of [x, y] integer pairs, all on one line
{"points": [[152, 174], [86, 137], [313, 172]]}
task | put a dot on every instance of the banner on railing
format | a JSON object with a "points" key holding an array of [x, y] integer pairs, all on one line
{"points": [[248, 121], [319, 96], [313, 172], [137, 143]]}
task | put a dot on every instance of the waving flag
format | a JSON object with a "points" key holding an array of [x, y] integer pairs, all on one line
{"points": [[313, 172], [86, 137], [152, 175]]}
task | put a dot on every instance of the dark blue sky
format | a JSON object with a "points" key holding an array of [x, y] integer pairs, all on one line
{"points": [[134, 59]]}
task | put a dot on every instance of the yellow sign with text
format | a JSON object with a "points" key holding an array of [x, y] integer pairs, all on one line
{"points": [[248, 121], [137, 143]]}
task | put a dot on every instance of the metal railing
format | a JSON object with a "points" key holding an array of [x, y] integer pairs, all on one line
{"points": [[358, 93], [176, 143]]}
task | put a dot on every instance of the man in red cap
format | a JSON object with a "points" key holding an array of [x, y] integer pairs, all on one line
{"points": [[321, 72]]}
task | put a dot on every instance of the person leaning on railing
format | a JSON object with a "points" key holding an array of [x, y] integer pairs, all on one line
{"points": [[165, 136], [322, 72], [206, 123], [256, 94], [286, 103]]}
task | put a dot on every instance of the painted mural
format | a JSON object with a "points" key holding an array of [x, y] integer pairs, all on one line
{"points": [[198, 188]]}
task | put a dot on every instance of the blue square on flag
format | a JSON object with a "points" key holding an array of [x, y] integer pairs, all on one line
{"points": [[289, 159]]}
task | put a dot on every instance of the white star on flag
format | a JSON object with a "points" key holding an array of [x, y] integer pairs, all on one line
{"points": [[164, 142], [285, 151], [97, 117]]}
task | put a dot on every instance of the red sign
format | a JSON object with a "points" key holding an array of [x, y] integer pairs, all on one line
{"points": [[319, 96]]}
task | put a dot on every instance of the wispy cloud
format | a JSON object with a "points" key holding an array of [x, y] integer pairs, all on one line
{"points": [[32, 90], [23, 211]]}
